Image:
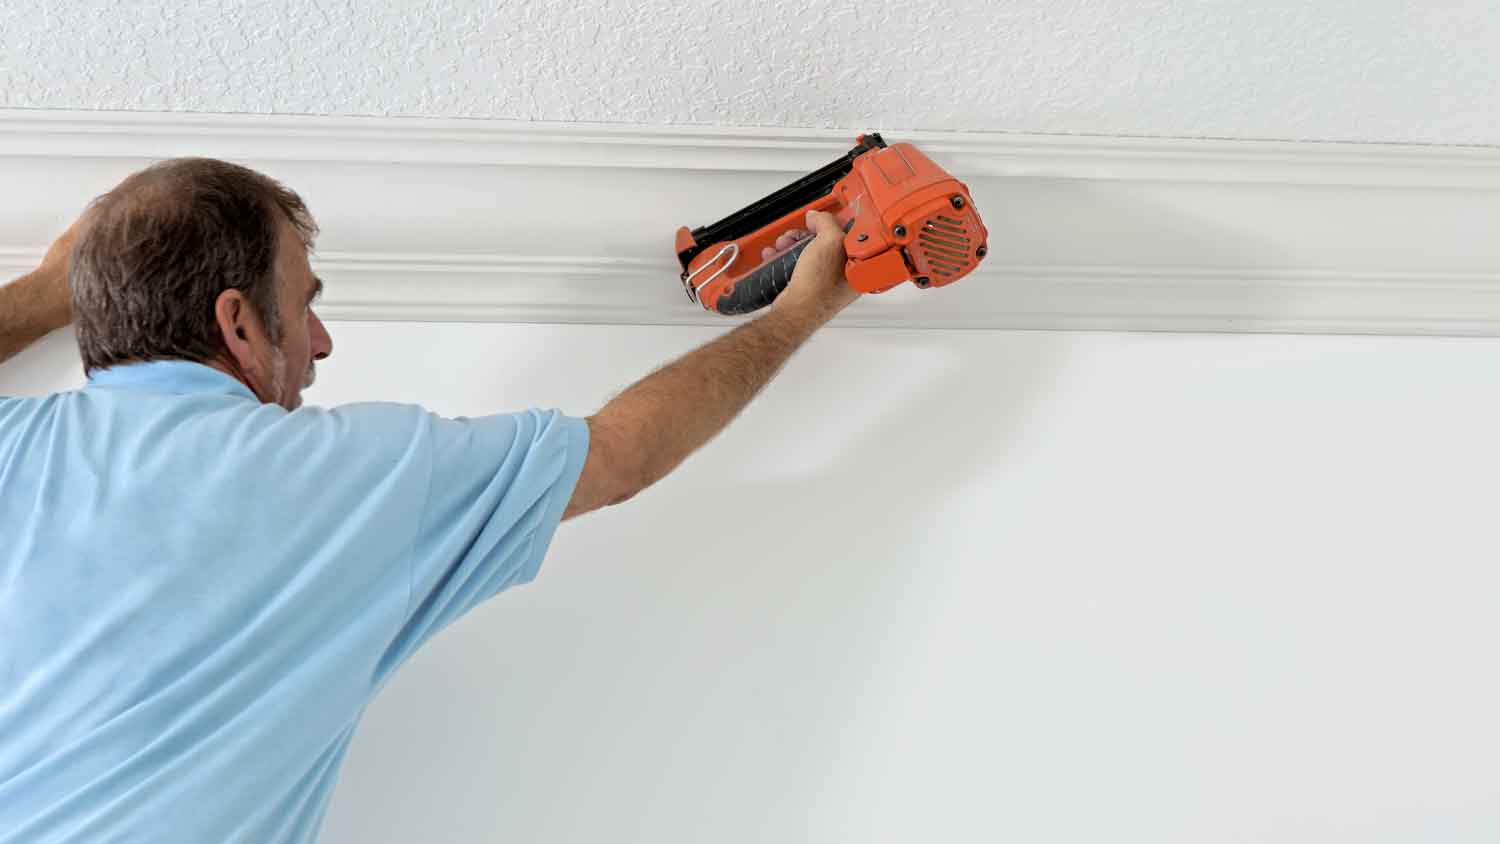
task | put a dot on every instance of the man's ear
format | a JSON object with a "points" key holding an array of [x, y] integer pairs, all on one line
{"points": [[240, 327]]}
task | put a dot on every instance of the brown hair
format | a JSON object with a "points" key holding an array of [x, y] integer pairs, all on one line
{"points": [[156, 252]]}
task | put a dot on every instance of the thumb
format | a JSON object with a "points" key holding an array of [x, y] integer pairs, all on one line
{"points": [[822, 223]]}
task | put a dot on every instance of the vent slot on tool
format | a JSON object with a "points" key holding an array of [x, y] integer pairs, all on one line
{"points": [[944, 248]]}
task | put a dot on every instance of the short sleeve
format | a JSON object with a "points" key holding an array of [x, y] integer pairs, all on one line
{"points": [[498, 488]]}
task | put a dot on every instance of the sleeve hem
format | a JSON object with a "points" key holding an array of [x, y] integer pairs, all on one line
{"points": [[577, 446]]}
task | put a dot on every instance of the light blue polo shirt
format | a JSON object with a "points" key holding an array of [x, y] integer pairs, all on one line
{"points": [[199, 593]]}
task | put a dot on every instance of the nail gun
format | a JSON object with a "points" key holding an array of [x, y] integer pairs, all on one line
{"points": [[904, 218]]}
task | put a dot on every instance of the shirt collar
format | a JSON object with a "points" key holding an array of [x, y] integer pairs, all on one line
{"points": [[168, 376]]}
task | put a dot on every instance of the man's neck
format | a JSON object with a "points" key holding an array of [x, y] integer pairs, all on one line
{"points": [[232, 368]]}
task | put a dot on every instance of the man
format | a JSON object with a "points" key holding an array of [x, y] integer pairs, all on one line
{"points": [[203, 583]]}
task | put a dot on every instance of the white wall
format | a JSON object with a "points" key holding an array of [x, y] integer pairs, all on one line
{"points": [[1360, 70], [958, 586]]}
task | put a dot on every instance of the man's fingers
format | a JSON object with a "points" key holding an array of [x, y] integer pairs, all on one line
{"points": [[822, 222], [786, 241]]}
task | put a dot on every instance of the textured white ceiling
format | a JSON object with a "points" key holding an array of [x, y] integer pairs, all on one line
{"points": [[1363, 70]]}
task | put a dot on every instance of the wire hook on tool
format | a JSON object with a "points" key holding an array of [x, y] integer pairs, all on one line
{"points": [[687, 282]]}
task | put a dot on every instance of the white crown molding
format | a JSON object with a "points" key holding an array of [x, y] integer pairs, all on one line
{"points": [[434, 141], [514, 222]]}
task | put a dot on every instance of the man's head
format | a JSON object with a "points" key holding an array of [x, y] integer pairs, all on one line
{"points": [[198, 259]]}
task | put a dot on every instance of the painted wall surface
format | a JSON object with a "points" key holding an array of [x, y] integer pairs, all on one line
{"points": [[963, 586], [1362, 70]]}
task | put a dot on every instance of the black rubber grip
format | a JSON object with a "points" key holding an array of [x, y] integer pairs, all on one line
{"points": [[761, 287]]}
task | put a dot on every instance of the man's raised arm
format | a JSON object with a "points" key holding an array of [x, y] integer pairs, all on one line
{"points": [[39, 302], [648, 430]]}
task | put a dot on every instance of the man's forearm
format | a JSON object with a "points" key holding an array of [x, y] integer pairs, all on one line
{"points": [[676, 410], [31, 307]]}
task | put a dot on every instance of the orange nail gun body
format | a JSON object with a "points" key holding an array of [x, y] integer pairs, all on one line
{"points": [[904, 218]]}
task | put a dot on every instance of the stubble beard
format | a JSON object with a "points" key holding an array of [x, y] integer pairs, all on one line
{"points": [[279, 379]]}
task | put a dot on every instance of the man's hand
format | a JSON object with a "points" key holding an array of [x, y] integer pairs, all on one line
{"points": [[55, 262], [818, 286], [50, 280]]}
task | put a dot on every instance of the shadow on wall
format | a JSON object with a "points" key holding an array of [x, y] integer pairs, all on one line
{"points": [[778, 597], [745, 629], [1142, 243]]}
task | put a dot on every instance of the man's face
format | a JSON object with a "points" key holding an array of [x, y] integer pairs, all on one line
{"points": [[303, 337]]}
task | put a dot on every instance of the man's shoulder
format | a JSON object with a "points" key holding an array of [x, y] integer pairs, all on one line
{"points": [[16, 409], [370, 418], [372, 433]]}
